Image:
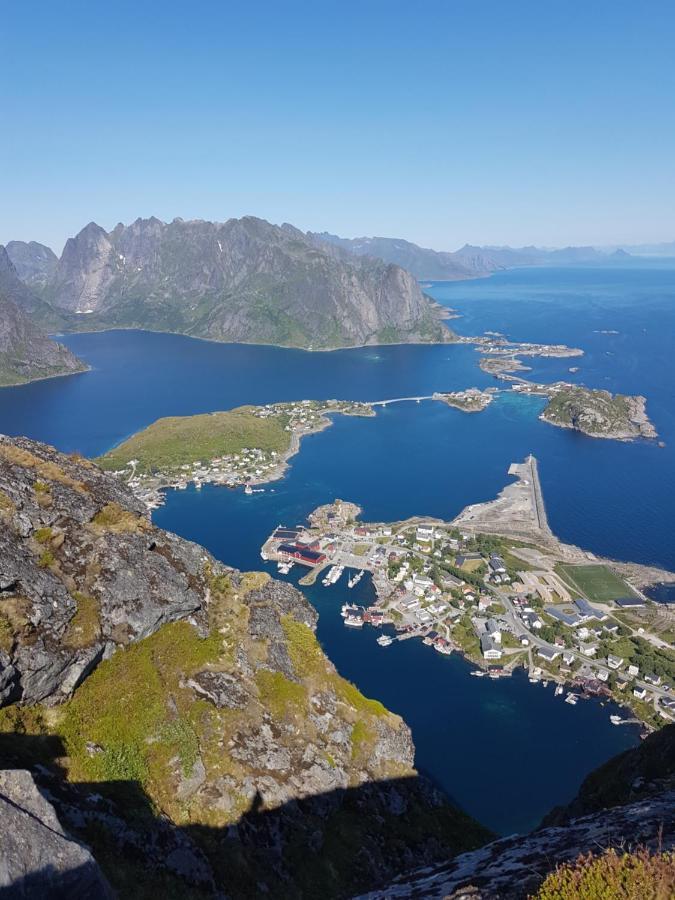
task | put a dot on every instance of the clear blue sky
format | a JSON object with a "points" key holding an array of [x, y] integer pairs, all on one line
{"points": [[548, 122]]}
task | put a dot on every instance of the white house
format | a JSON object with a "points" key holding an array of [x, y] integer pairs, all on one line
{"points": [[614, 662], [489, 648]]}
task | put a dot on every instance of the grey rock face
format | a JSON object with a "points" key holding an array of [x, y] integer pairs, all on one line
{"points": [[37, 857], [241, 280], [220, 688], [26, 352], [512, 868], [81, 570], [34, 263]]}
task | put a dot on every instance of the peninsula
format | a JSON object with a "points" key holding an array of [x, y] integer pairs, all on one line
{"points": [[496, 585], [247, 446]]}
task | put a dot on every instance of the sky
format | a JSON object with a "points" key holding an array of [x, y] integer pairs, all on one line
{"points": [[505, 122]]}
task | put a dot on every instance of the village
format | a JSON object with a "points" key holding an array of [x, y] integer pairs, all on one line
{"points": [[248, 467], [499, 602]]}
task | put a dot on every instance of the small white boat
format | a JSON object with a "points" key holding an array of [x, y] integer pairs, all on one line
{"points": [[571, 698], [354, 580], [445, 649], [354, 621], [479, 673], [615, 720], [559, 690], [248, 489], [384, 640]]}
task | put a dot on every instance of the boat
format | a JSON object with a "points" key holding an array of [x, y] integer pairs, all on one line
{"points": [[248, 489], [559, 690], [479, 673], [354, 621], [571, 698], [384, 640], [333, 575], [545, 683], [616, 720], [446, 649], [354, 580]]}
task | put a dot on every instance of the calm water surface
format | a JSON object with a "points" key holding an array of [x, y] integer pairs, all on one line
{"points": [[506, 751]]}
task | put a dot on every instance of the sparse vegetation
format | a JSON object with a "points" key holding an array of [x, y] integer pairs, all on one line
{"points": [[180, 440], [85, 626], [279, 694], [118, 520], [639, 875]]}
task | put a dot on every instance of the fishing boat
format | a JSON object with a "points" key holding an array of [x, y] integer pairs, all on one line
{"points": [[571, 698], [384, 640], [559, 690], [479, 673], [354, 621], [354, 580]]}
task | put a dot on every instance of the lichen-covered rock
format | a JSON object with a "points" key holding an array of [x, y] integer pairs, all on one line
{"points": [[38, 858]]}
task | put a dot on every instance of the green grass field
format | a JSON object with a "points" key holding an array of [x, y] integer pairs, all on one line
{"points": [[596, 583], [177, 440]]}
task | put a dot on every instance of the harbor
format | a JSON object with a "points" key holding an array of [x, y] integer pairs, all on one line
{"points": [[473, 587]]}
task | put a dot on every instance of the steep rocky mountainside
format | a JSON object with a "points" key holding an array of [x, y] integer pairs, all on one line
{"points": [[35, 264], [645, 771], [626, 803], [241, 280], [39, 859], [514, 867], [26, 353], [12, 287], [186, 723]]}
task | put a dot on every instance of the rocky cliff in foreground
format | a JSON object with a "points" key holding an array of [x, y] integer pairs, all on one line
{"points": [[180, 715], [241, 280], [26, 353]]}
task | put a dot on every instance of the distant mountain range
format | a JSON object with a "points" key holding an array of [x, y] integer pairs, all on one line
{"points": [[241, 280], [26, 353], [246, 280], [467, 262]]}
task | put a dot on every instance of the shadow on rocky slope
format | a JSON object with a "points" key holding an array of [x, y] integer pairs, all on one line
{"points": [[315, 847]]}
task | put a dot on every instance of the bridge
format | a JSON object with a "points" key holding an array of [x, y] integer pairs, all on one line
{"points": [[400, 400]]}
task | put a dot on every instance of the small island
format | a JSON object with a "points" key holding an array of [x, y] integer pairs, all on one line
{"points": [[469, 400], [593, 412], [598, 413]]}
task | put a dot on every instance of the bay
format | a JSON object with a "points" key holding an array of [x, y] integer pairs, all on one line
{"points": [[505, 751]]}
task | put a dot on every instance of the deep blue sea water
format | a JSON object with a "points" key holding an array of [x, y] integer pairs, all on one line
{"points": [[505, 751]]}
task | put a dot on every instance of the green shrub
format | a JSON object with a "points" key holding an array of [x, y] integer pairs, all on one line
{"points": [[640, 875]]}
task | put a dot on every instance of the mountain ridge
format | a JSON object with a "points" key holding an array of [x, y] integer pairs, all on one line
{"points": [[26, 353], [242, 280]]}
